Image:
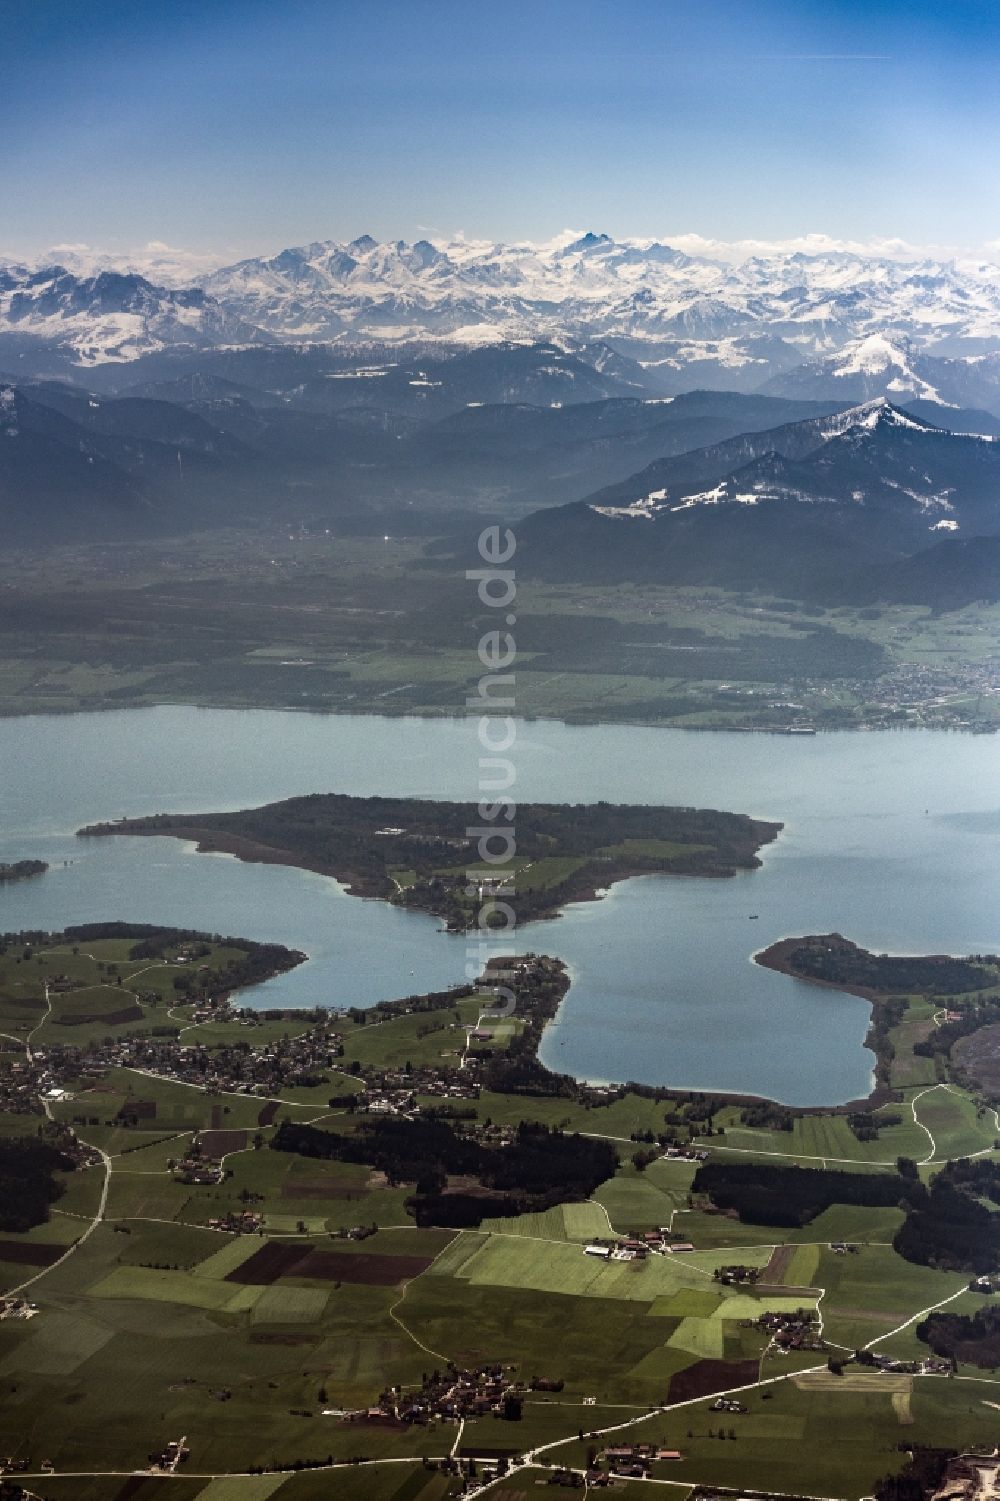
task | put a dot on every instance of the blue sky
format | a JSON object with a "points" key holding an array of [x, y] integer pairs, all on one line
{"points": [[242, 127]]}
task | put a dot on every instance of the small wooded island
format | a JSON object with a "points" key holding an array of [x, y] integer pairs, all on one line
{"points": [[831, 959], [426, 854], [21, 870]]}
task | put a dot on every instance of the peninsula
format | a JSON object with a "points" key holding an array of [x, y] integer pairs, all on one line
{"points": [[922, 1006], [428, 855]]}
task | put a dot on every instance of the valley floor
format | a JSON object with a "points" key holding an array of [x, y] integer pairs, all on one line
{"points": [[388, 627]]}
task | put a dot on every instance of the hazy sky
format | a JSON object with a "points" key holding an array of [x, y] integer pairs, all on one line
{"points": [[236, 126]]}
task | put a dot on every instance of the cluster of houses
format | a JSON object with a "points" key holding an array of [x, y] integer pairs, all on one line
{"points": [[12, 1466], [454, 1394], [198, 1169], [737, 1275], [17, 1308], [933, 1365], [353, 1232], [25, 1082], [60, 984], [238, 1222], [395, 1091], [633, 1460], [685, 1154], [790, 1331], [170, 1456], [237, 1068], [222, 1010], [658, 1242]]}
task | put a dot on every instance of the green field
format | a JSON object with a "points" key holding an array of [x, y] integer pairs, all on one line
{"points": [[959, 1127], [142, 1285], [572, 1222], [141, 1337]]}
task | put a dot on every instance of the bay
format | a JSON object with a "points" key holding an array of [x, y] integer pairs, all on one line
{"points": [[890, 838]]}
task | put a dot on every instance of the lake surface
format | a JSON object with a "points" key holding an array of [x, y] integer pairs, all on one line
{"points": [[890, 838]]}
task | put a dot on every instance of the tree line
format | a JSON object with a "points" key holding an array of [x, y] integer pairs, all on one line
{"points": [[539, 1167]]}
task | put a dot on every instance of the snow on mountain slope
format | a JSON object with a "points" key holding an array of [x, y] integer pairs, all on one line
{"points": [[685, 315], [111, 316], [872, 365], [591, 286], [865, 453]]}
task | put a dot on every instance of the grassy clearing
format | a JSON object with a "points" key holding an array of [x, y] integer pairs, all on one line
{"points": [[958, 1126], [822, 1442], [688, 1302], [803, 1267], [178, 1246], [450, 1261], [290, 1305], [590, 1343], [641, 1200], [851, 1222], [908, 1068], [146, 1197], [55, 1345], [561, 1268], [702, 1338], [660, 849], [148, 1285], [743, 1306], [243, 1488], [830, 1139], [873, 1292], [423, 1038], [852, 1380], [570, 1222]]}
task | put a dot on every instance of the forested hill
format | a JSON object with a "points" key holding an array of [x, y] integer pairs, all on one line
{"points": [[419, 853]]}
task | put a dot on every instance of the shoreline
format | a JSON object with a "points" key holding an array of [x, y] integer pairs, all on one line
{"points": [[774, 957], [581, 721], [778, 957]]}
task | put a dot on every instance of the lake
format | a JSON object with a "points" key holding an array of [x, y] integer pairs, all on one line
{"points": [[890, 838]]}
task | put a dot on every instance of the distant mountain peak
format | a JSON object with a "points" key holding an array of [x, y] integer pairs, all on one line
{"points": [[589, 241], [872, 354], [870, 416]]}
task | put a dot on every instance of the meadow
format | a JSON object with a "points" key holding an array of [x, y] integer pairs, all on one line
{"points": [[156, 1325]]}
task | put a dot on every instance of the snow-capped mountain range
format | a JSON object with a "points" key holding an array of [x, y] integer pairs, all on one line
{"points": [[596, 287], [111, 316], [833, 323]]}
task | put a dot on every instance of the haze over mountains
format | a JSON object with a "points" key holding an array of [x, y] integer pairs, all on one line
{"points": [[797, 422]]}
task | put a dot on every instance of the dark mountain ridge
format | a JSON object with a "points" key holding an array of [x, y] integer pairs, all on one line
{"points": [[813, 510]]}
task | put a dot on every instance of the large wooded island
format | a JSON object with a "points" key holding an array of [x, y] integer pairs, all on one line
{"points": [[428, 854]]}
